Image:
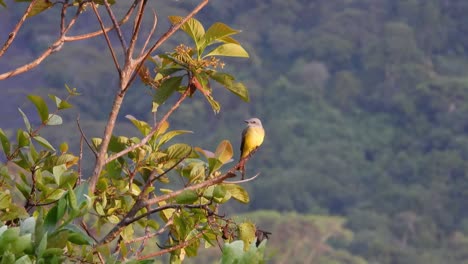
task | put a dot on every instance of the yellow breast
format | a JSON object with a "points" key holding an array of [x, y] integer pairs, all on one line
{"points": [[253, 138]]}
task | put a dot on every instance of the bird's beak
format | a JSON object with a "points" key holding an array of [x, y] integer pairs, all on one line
{"points": [[246, 121]]}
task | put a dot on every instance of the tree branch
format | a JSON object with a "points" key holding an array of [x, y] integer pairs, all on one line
{"points": [[116, 25], [109, 44], [99, 32], [178, 246], [12, 35]]}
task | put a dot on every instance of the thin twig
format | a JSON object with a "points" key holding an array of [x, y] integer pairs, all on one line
{"points": [[109, 44], [243, 181], [162, 208], [51, 49], [157, 233], [136, 29], [12, 35], [85, 227], [80, 160], [151, 33], [116, 25], [169, 249], [100, 32], [62, 18], [84, 136]]}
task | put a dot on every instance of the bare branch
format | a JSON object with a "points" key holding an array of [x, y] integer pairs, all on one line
{"points": [[99, 32], [12, 35], [136, 29], [109, 44], [116, 25], [178, 246], [51, 49], [165, 207], [157, 233], [243, 181], [151, 33], [62, 18], [84, 136]]}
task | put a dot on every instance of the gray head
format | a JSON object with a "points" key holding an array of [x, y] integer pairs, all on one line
{"points": [[254, 122]]}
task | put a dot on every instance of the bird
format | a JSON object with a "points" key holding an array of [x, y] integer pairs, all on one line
{"points": [[252, 138]]}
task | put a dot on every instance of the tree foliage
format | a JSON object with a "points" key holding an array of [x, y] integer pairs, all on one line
{"points": [[145, 190]]}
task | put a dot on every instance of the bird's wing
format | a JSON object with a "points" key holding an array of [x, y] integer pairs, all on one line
{"points": [[243, 141]]}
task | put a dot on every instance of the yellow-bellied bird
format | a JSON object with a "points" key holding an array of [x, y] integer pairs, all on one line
{"points": [[252, 138]]}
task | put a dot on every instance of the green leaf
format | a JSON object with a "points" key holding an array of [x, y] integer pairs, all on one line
{"points": [[44, 142], [24, 260], [64, 105], [220, 194], [58, 171], [230, 50], [178, 151], [166, 89], [41, 106], [51, 219], [232, 252], [78, 236], [229, 40], [42, 245], [169, 135], [224, 151], [218, 31], [5, 142], [96, 142], [26, 120], [5, 200], [113, 219], [187, 197], [55, 195], [40, 6], [54, 120], [214, 164], [60, 103], [227, 81], [28, 225], [192, 27], [142, 126], [22, 138], [2, 3], [238, 192]]}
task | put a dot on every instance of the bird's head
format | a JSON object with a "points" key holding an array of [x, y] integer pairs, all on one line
{"points": [[253, 122]]}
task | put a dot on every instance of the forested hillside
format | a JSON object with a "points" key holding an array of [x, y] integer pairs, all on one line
{"points": [[365, 104]]}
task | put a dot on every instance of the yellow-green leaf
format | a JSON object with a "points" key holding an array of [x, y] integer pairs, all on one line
{"points": [[230, 50], [218, 31], [247, 234], [40, 6], [5, 142], [238, 192], [192, 27], [41, 106], [187, 197], [224, 151], [44, 142]]}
